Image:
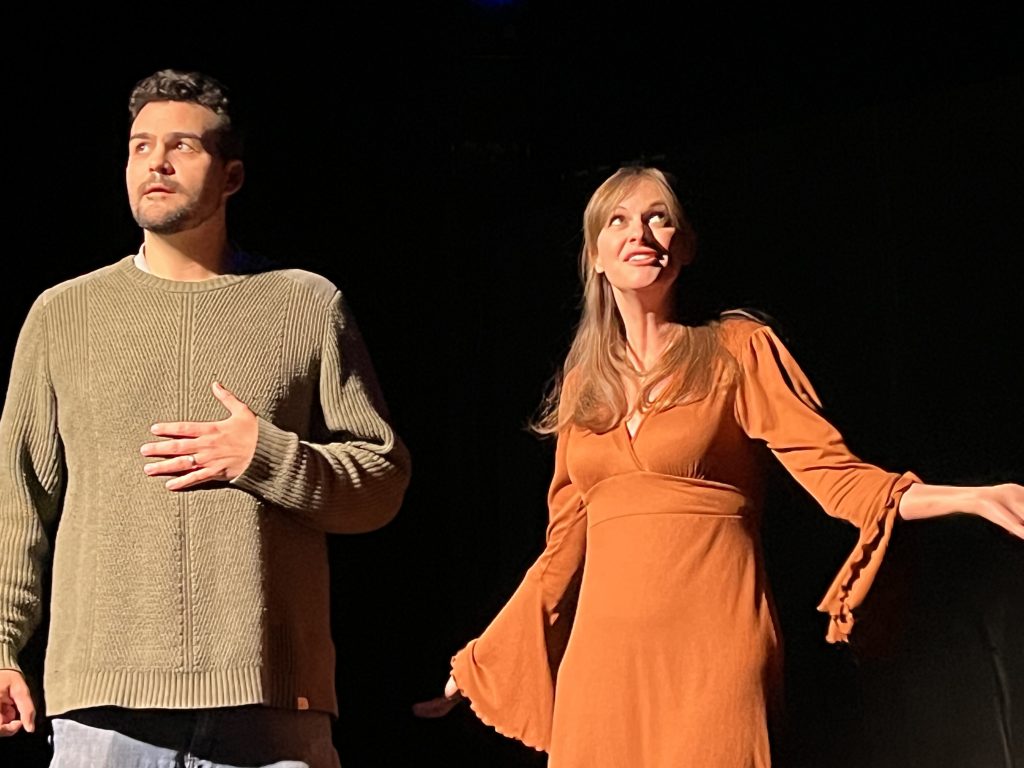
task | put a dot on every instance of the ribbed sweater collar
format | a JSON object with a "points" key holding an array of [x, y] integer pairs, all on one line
{"points": [[248, 267]]}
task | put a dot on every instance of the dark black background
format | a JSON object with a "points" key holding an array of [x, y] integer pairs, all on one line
{"points": [[857, 174]]}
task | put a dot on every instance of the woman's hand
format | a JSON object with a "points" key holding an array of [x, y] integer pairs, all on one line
{"points": [[441, 705], [1002, 504]]}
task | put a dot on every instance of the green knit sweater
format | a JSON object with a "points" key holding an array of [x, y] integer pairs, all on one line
{"points": [[214, 596]]}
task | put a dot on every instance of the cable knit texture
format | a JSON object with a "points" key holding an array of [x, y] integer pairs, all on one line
{"points": [[214, 596]]}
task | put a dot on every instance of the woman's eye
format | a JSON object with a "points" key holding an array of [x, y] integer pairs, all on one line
{"points": [[615, 220], [658, 217]]}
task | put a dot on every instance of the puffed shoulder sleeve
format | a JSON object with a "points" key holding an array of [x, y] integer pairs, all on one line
{"points": [[508, 672], [776, 403]]}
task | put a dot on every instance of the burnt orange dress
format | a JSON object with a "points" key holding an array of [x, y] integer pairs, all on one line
{"points": [[643, 635]]}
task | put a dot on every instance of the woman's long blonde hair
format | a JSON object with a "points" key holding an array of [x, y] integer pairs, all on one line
{"points": [[597, 366]]}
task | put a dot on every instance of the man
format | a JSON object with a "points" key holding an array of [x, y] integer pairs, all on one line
{"points": [[190, 425]]}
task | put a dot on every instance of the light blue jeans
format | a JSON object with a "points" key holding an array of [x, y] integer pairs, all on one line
{"points": [[236, 737]]}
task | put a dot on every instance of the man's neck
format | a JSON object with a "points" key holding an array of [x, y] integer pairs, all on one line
{"points": [[179, 257]]}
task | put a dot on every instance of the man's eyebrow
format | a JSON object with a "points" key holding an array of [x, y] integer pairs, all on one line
{"points": [[172, 135]]}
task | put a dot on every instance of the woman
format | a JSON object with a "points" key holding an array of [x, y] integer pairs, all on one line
{"points": [[649, 606]]}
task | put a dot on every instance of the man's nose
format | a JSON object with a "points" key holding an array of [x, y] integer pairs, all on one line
{"points": [[159, 162]]}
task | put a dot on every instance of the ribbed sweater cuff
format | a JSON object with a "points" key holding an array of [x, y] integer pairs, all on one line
{"points": [[9, 659], [275, 448]]}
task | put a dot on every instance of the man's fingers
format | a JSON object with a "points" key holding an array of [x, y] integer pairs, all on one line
{"points": [[178, 429], [168, 448], [186, 474], [11, 728], [9, 722], [181, 428], [174, 466], [16, 709], [227, 398], [27, 709], [192, 478]]}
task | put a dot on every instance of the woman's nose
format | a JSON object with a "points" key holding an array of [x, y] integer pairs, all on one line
{"points": [[640, 231]]}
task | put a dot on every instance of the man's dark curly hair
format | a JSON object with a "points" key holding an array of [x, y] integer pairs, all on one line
{"points": [[197, 88]]}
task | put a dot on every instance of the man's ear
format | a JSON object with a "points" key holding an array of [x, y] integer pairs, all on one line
{"points": [[234, 171]]}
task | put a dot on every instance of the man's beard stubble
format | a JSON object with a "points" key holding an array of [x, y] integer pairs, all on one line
{"points": [[169, 223]]}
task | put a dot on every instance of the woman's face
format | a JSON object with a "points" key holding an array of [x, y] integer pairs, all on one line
{"points": [[639, 246]]}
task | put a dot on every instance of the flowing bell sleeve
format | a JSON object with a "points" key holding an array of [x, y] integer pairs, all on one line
{"points": [[776, 403], [508, 673]]}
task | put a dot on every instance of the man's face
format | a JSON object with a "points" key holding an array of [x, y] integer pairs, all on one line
{"points": [[176, 180]]}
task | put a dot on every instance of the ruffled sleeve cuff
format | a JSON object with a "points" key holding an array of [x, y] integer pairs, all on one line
{"points": [[508, 673], [530, 723], [853, 581]]}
